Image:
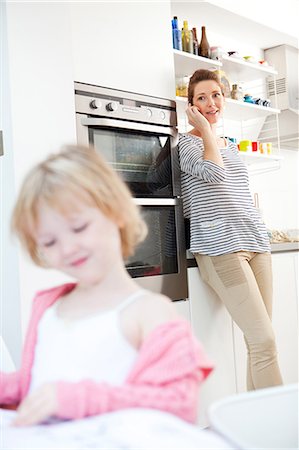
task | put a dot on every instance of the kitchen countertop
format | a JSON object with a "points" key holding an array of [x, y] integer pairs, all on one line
{"points": [[284, 247], [280, 247]]}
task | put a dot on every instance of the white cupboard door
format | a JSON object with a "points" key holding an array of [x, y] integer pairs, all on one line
{"points": [[212, 325], [183, 308]]}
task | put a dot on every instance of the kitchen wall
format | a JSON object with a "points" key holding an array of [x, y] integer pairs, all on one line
{"points": [[125, 45], [9, 267], [50, 45]]}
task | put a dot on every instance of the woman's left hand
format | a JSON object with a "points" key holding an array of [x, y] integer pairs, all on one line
{"points": [[37, 406]]}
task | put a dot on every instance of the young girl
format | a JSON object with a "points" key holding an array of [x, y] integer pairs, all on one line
{"points": [[228, 238], [101, 344]]}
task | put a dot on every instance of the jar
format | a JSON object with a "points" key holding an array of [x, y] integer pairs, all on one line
{"points": [[216, 53], [237, 92], [182, 86]]}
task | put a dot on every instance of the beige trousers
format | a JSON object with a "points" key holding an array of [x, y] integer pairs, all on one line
{"points": [[243, 281]]}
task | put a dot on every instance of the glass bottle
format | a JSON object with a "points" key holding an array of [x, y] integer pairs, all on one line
{"points": [[204, 47], [187, 38], [176, 34], [195, 42]]}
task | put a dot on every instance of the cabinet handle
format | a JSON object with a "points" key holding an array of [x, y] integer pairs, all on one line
{"points": [[1, 143]]}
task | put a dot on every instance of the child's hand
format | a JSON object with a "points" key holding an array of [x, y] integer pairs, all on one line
{"points": [[37, 406]]}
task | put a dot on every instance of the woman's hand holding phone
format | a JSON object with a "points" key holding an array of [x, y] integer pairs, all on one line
{"points": [[197, 120]]}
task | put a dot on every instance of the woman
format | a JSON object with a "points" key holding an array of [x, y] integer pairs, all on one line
{"points": [[228, 238]]}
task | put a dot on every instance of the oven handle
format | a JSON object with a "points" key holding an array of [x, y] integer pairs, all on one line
{"points": [[156, 201], [112, 123]]}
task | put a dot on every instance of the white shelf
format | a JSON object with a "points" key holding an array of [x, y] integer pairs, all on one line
{"points": [[256, 157], [236, 68], [186, 63], [239, 109], [239, 70], [245, 111]]}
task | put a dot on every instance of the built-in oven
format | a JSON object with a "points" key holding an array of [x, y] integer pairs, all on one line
{"points": [[137, 135]]}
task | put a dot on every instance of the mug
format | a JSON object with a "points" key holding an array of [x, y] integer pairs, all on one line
{"points": [[255, 146], [245, 146]]}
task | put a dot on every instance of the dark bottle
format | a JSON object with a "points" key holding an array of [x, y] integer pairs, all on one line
{"points": [[195, 42], [204, 47]]}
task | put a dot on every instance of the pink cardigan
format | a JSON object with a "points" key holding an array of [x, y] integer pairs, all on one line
{"points": [[166, 375]]}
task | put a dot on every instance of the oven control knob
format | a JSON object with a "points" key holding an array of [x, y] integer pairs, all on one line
{"points": [[149, 112], [95, 104], [112, 106], [162, 115]]}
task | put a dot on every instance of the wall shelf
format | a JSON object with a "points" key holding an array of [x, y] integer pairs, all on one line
{"points": [[186, 63], [241, 70], [240, 109]]}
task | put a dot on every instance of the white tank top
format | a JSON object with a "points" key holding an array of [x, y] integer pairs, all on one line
{"points": [[92, 348]]}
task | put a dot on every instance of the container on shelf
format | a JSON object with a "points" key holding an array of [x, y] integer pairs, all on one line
{"points": [[204, 46], [237, 92], [182, 86], [255, 146], [176, 34], [187, 38], [245, 146], [225, 82], [216, 53], [195, 41]]}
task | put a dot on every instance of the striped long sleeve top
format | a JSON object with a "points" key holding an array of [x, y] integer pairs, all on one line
{"points": [[218, 202]]}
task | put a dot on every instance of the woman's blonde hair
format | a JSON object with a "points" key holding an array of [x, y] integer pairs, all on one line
{"points": [[76, 173]]}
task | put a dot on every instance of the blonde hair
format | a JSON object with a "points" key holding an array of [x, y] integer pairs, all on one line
{"points": [[83, 173]]}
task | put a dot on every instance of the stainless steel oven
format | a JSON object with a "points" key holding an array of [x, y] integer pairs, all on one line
{"points": [[137, 135]]}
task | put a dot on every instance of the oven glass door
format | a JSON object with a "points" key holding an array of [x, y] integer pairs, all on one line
{"points": [[158, 253], [159, 262], [142, 159]]}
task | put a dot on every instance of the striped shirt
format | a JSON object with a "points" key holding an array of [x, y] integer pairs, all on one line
{"points": [[217, 200]]}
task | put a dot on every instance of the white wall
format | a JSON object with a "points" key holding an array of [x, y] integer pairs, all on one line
{"points": [[123, 45], [42, 112], [9, 268], [279, 193]]}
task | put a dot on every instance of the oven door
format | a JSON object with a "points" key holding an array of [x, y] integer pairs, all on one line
{"points": [[146, 158], [144, 155], [159, 262]]}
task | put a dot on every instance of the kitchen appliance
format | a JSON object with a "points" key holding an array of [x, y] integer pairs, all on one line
{"points": [[137, 136]]}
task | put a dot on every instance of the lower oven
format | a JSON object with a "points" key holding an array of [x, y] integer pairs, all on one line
{"points": [[137, 135]]}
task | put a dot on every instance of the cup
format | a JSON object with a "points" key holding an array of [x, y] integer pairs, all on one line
{"points": [[255, 146], [245, 146], [269, 148], [263, 148]]}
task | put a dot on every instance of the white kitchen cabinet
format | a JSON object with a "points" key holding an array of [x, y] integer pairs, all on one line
{"points": [[183, 309], [223, 340], [212, 325], [123, 45], [285, 321]]}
